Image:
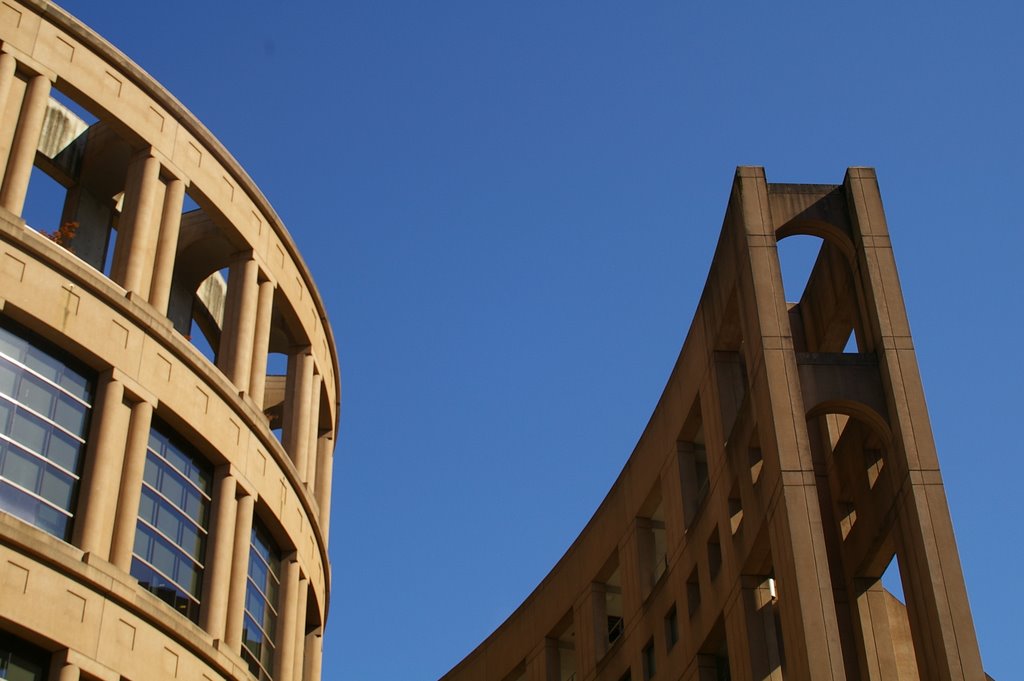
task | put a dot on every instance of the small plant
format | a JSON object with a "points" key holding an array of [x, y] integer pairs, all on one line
{"points": [[63, 235]]}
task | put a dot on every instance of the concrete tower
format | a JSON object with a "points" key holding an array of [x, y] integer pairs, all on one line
{"points": [[789, 461], [168, 386]]}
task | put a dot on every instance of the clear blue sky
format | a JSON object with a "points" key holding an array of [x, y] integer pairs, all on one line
{"points": [[510, 209]]}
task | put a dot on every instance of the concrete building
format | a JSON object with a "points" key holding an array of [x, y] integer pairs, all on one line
{"points": [[789, 461], [168, 386]]}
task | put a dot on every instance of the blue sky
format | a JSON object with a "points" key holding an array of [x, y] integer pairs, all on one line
{"points": [[510, 210]]}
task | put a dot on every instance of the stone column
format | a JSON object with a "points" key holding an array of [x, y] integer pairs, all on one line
{"points": [[312, 448], [65, 672], [284, 656], [236, 342], [26, 139], [136, 239], [103, 460], [302, 596], [325, 458], [810, 627], [8, 65], [297, 406], [546, 662], [875, 637], [239, 572], [261, 342], [314, 655], [167, 245], [750, 629], [220, 549], [139, 426]]}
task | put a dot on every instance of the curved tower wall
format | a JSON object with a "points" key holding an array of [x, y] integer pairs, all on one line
{"points": [[168, 385], [788, 463]]}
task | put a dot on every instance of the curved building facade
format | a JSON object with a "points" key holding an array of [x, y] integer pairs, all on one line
{"points": [[787, 465], [168, 385]]}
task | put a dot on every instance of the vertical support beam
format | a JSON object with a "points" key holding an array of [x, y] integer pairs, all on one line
{"points": [[546, 662], [131, 485], [8, 66], [261, 342], [299, 664], [809, 623], [135, 248], [26, 139], [629, 574], [65, 671], [941, 624], [220, 552], [688, 486], [236, 346], [874, 635], [313, 657], [167, 245], [325, 458], [103, 462], [297, 405], [239, 572], [313, 429], [749, 623], [284, 656]]}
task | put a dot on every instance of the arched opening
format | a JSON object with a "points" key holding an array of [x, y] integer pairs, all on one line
{"points": [[820, 289]]}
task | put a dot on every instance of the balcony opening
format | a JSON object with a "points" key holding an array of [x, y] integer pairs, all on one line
{"points": [[693, 464], [277, 374], [714, 555], [797, 256], [650, 662], [735, 509], [892, 581], [693, 592], [613, 606], [671, 628], [652, 541], [561, 646]]}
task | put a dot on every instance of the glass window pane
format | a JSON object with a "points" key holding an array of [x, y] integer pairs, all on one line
{"points": [[8, 377], [76, 384], [43, 364], [22, 469], [29, 431], [57, 487], [63, 450], [36, 394], [71, 414]]}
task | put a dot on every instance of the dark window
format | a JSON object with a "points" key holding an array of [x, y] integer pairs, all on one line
{"points": [[174, 509], [259, 631], [21, 661], [614, 628], [671, 629], [45, 401], [649, 661]]}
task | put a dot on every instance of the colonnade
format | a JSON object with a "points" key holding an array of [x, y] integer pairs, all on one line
{"points": [[259, 315], [143, 265]]}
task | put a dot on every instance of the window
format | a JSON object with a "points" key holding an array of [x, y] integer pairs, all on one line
{"points": [[45, 401], [671, 629], [649, 661], [174, 510], [259, 628], [21, 661]]}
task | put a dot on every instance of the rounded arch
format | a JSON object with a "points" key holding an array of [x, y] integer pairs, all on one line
{"points": [[828, 232], [864, 413]]}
